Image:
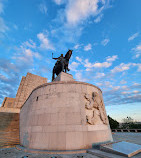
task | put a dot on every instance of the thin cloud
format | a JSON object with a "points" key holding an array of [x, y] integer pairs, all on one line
{"points": [[136, 92], [89, 66], [26, 53], [26, 56], [58, 2], [99, 18], [3, 26], [124, 67], [79, 76], [3, 78], [116, 98], [45, 43], [122, 95], [71, 15], [78, 10], [123, 82], [99, 75], [121, 67], [76, 46], [73, 66], [88, 47], [1, 8], [6, 66], [135, 35], [137, 51], [102, 65], [78, 59], [111, 58], [97, 65], [63, 35], [15, 27], [105, 41], [29, 44], [43, 8]]}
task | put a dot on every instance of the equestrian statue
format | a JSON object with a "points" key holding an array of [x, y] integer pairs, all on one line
{"points": [[61, 64]]}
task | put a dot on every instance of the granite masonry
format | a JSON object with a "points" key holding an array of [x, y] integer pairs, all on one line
{"points": [[64, 115], [8, 102], [10, 109], [27, 84]]}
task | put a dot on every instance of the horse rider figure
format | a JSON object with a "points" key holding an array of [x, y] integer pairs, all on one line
{"points": [[60, 60], [61, 64]]}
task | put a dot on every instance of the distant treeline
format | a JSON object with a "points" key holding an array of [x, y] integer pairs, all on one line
{"points": [[128, 123]]}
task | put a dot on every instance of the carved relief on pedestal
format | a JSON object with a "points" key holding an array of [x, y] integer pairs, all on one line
{"points": [[95, 111]]}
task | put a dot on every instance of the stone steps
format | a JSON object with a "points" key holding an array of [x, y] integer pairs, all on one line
{"points": [[103, 154]]}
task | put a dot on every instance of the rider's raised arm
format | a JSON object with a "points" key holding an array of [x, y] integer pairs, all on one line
{"points": [[55, 58]]}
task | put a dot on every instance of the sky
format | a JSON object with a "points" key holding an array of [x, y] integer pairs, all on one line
{"points": [[105, 36]]}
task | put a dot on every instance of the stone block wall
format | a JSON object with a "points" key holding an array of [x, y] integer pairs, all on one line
{"points": [[59, 116], [27, 84], [8, 102], [9, 112], [9, 129]]}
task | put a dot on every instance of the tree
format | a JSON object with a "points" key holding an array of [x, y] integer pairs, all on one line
{"points": [[135, 126], [127, 120], [113, 123], [129, 123]]}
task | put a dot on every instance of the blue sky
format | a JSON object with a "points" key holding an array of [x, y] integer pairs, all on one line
{"points": [[105, 36]]}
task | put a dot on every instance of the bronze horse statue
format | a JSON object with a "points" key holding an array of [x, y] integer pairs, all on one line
{"points": [[61, 64]]}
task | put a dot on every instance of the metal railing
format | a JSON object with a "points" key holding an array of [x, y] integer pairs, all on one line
{"points": [[126, 130]]}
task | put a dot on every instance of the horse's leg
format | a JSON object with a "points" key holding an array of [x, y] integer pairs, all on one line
{"points": [[53, 75], [63, 67], [67, 67]]}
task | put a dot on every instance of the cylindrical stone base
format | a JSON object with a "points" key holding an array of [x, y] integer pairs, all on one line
{"points": [[64, 116]]}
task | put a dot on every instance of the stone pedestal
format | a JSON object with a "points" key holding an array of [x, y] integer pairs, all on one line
{"points": [[64, 115], [64, 77]]}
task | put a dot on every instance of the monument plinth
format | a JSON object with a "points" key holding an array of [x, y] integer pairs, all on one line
{"points": [[64, 115], [64, 77]]}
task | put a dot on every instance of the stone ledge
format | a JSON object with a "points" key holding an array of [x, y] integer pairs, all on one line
{"points": [[68, 128], [39, 151], [66, 82], [61, 82], [9, 110]]}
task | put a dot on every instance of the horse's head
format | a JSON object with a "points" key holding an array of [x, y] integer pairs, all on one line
{"points": [[68, 54]]}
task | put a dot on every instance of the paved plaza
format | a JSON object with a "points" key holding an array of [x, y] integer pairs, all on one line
{"points": [[130, 137], [14, 153]]}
